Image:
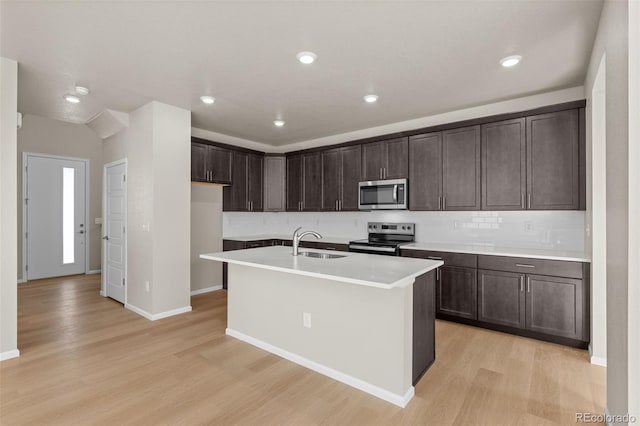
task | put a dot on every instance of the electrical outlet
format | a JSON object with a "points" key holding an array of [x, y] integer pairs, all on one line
{"points": [[146, 286], [306, 320], [528, 227]]}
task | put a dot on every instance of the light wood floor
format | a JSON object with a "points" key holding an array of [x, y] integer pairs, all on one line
{"points": [[86, 360]]}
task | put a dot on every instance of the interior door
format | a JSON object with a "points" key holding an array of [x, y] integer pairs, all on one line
{"points": [[55, 216], [114, 228]]}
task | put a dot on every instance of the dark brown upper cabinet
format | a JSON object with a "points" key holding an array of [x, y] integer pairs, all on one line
{"points": [[425, 172], [210, 163], [504, 165], [340, 176], [294, 183], [385, 159], [245, 192], [311, 182], [461, 169], [553, 161]]}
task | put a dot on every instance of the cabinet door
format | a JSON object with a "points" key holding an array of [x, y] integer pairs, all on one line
{"points": [[397, 159], [311, 182], [198, 162], [219, 164], [461, 169], [373, 160], [255, 169], [504, 177], [235, 195], [501, 298], [425, 172], [274, 183], [330, 180], [294, 183], [424, 350], [555, 306], [350, 176], [553, 170], [456, 292]]}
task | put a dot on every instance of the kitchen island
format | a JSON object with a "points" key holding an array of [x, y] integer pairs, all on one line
{"points": [[365, 320]]}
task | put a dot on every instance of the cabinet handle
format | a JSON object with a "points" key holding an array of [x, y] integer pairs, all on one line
{"points": [[329, 248], [434, 258], [444, 203], [528, 284], [337, 207], [521, 283], [524, 265], [438, 274], [528, 200], [522, 201], [339, 204], [380, 172]]}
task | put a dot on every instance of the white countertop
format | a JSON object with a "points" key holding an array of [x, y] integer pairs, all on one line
{"points": [[355, 268], [325, 239], [533, 253]]}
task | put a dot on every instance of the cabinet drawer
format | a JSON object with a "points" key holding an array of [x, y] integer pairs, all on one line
{"points": [[525, 265], [230, 245], [450, 259], [333, 246]]}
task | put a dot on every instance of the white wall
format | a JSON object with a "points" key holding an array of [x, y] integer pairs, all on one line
{"points": [[612, 39], [634, 210], [206, 235], [47, 136], [560, 230], [8, 209], [157, 147]]}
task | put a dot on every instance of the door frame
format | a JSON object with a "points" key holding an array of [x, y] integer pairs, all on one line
{"points": [[103, 243], [25, 155]]}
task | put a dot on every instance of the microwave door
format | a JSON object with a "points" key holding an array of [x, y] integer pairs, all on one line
{"points": [[379, 195]]}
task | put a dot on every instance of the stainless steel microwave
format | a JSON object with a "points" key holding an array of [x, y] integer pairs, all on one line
{"points": [[389, 194]]}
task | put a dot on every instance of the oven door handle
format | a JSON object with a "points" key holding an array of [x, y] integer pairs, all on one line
{"points": [[372, 248], [395, 193]]}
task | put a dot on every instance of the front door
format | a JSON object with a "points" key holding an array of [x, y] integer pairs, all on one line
{"points": [[55, 206], [114, 248]]}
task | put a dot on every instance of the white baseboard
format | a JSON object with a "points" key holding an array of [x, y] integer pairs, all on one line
{"points": [[9, 355], [22, 281], [396, 399], [154, 317], [206, 290], [596, 360], [103, 294], [94, 271]]}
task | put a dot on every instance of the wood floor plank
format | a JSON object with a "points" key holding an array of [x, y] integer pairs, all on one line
{"points": [[86, 360]]}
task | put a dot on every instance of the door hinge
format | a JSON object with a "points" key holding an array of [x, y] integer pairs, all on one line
{"points": [[124, 178], [123, 229], [26, 201], [26, 235], [26, 267], [123, 281]]}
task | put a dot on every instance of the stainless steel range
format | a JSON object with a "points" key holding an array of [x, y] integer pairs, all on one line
{"points": [[385, 238]]}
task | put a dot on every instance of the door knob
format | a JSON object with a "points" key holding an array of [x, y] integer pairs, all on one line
{"points": [[106, 237]]}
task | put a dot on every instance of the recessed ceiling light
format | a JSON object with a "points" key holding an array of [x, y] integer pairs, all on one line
{"points": [[306, 57], [207, 99], [510, 61], [81, 90], [72, 99], [278, 123], [370, 98]]}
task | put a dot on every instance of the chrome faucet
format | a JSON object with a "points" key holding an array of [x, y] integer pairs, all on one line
{"points": [[297, 237]]}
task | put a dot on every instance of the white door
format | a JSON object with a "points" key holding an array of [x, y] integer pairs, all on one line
{"points": [[114, 228], [55, 216]]}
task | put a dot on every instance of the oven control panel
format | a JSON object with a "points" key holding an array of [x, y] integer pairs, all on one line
{"points": [[391, 228]]}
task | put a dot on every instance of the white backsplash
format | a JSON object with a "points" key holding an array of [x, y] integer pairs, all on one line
{"points": [[561, 230]]}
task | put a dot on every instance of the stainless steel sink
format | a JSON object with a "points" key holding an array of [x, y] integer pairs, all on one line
{"points": [[317, 255]]}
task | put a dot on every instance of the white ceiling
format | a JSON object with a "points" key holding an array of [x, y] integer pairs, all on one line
{"points": [[421, 58]]}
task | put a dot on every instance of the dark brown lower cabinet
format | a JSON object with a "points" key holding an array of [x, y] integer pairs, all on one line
{"points": [[424, 314], [501, 298], [456, 292], [538, 303]]}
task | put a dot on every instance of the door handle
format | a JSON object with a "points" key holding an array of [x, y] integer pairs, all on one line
{"points": [[106, 238], [395, 193]]}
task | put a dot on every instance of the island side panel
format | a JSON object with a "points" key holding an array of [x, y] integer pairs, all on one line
{"points": [[361, 331]]}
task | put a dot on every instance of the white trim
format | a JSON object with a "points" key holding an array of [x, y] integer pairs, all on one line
{"points": [[206, 290], [9, 355], [607, 416], [161, 315], [22, 281], [596, 360], [103, 243], [396, 399], [94, 271], [87, 205]]}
